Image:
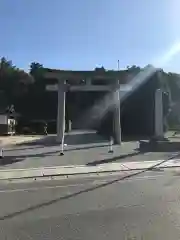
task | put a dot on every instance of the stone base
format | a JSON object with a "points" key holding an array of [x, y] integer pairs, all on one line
{"points": [[154, 145]]}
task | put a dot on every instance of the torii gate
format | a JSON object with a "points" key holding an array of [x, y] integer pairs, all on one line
{"points": [[89, 78], [114, 79]]}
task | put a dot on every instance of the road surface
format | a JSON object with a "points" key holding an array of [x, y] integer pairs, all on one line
{"points": [[145, 206], [92, 154]]}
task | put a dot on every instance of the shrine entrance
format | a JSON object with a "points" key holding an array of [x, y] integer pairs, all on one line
{"points": [[86, 82]]}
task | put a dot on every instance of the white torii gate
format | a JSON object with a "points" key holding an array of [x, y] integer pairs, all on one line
{"points": [[62, 88], [115, 88]]}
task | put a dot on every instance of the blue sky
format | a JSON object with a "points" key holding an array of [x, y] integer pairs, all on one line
{"points": [[83, 34]]}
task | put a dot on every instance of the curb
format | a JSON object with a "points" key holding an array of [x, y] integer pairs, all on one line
{"points": [[83, 169]]}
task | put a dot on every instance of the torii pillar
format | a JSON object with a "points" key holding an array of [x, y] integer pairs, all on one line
{"points": [[61, 110], [117, 115]]}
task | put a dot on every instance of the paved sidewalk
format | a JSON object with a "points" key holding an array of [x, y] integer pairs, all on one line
{"points": [[14, 140], [83, 148], [123, 169]]}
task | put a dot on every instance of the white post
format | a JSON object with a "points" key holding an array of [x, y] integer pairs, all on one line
{"points": [[159, 133], [111, 145], [1, 153], [61, 111], [117, 115]]}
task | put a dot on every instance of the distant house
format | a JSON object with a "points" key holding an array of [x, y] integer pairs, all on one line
{"points": [[7, 117], [7, 124]]}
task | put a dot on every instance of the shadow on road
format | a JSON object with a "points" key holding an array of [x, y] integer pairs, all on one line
{"points": [[44, 141], [70, 139], [7, 160], [84, 138], [66, 150]]}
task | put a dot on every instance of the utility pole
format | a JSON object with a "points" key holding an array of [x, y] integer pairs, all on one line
{"points": [[118, 65], [117, 117]]}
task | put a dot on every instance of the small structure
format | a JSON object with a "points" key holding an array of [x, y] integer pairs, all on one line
{"points": [[7, 124]]}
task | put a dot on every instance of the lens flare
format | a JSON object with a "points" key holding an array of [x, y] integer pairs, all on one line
{"points": [[102, 106]]}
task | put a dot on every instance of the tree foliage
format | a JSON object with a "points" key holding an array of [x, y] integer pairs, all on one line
{"points": [[13, 81]]}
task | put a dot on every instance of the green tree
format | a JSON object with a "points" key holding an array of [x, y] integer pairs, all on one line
{"points": [[133, 69], [36, 69], [13, 81]]}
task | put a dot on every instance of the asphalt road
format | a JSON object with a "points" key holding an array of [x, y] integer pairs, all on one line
{"points": [[142, 207]]}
